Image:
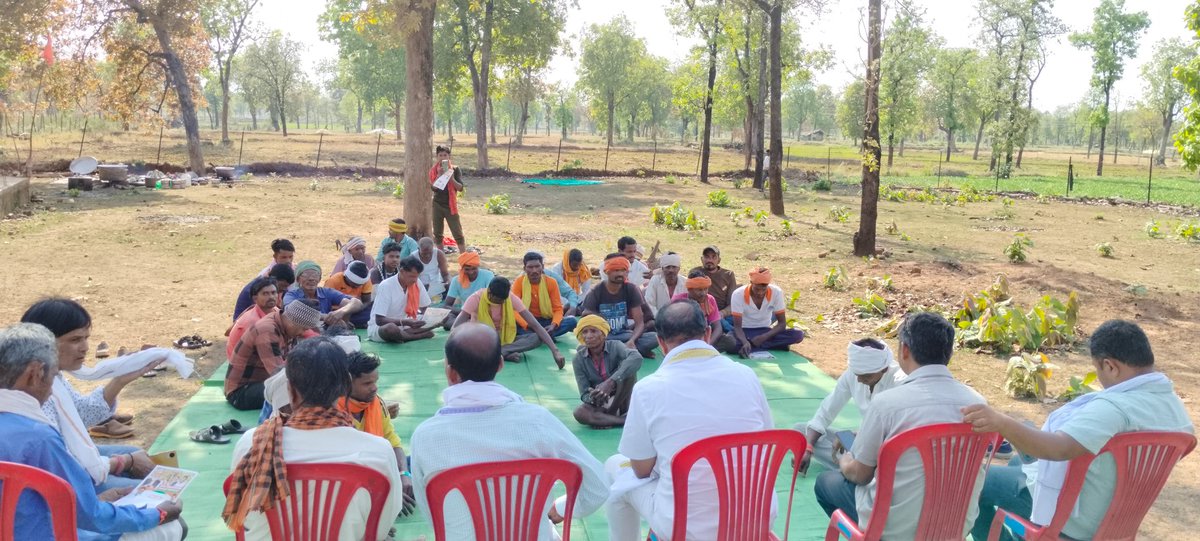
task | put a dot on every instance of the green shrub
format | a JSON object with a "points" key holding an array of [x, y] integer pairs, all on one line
{"points": [[1104, 249], [760, 219], [823, 185], [573, 164], [870, 305], [498, 204], [1152, 230], [719, 199], [675, 216], [788, 230], [1026, 376], [836, 279], [1188, 231], [1016, 249], [398, 193], [1079, 386], [990, 320], [839, 214], [671, 179]]}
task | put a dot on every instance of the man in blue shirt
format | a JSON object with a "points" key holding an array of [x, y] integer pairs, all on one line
{"points": [[398, 234], [336, 307], [28, 365]]}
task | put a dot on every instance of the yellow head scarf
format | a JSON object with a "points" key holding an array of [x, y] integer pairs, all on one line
{"points": [[591, 320]]}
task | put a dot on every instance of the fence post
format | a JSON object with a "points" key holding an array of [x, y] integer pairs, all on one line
{"points": [[83, 137], [607, 148], [1149, 179], [558, 159], [787, 162], [158, 158], [508, 163], [378, 139], [320, 142], [654, 160], [939, 182], [1070, 175], [828, 164]]}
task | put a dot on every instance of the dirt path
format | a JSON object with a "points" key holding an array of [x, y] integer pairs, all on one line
{"points": [[154, 265]]}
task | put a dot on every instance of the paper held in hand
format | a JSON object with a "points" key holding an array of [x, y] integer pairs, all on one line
{"points": [[444, 180], [162, 485], [434, 316]]}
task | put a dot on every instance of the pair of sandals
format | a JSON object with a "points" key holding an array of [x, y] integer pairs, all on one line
{"points": [[216, 433], [194, 341]]}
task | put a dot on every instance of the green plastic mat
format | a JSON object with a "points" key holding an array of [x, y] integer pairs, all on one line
{"points": [[561, 181], [413, 374]]}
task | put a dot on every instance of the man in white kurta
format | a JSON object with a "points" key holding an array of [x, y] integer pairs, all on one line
{"points": [[695, 394], [482, 421], [665, 284], [322, 358], [872, 370]]}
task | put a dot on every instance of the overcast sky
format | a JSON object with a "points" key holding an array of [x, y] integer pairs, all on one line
{"points": [[1064, 81]]}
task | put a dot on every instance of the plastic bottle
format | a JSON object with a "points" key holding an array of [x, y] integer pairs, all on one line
{"points": [[158, 184]]}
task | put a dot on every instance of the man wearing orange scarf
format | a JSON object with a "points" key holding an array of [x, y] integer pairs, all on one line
{"points": [[316, 432], [620, 303], [398, 304], [471, 277], [445, 199], [697, 285], [754, 307], [368, 412]]}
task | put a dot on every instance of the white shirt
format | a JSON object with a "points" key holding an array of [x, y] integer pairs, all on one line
{"points": [[929, 395], [583, 287], [333, 445], [685, 400], [658, 294], [848, 388], [390, 301], [431, 276], [514, 431], [753, 316]]}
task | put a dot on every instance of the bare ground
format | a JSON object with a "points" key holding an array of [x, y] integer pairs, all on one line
{"points": [[154, 265]]}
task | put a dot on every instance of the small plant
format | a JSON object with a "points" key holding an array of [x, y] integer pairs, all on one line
{"points": [[398, 193], [739, 183], [1007, 202], [990, 320], [748, 212], [675, 216], [73, 192], [823, 185], [760, 219], [870, 305], [1006, 212], [1152, 230], [573, 164], [882, 283], [1188, 231], [788, 230], [314, 185], [1079, 386], [736, 218], [498, 204], [839, 214], [793, 301], [671, 179], [892, 228], [1104, 249], [904, 237], [836, 279], [1026, 376], [1016, 249], [719, 199]]}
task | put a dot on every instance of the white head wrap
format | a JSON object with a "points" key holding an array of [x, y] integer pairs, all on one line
{"points": [[354, 241], [670, 260], [868, 360]]}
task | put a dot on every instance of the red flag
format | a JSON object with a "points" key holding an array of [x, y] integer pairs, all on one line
{"points": [[48, 52]]}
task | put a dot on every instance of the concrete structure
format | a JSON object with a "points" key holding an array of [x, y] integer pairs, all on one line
{"points": [[14, 192]]}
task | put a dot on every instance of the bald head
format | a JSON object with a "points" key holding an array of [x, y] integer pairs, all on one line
{"points": [[473, 351], [680, 321]]}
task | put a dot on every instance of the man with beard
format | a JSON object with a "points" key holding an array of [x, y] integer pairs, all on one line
{"points": [[665, 285], [395, 316], [605, 371], [723, 283], [388, 265], [265, 294], [620, 304]]}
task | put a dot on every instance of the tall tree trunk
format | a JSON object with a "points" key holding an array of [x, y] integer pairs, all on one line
{"points": [[418, 122], [183, 91], [225, 110], [760, 118], [979, 137], [776, 195], [358, 124], [891, 147], [1091, 138], [492, 118], [1161, 159], [706, 144], [522, 120], [864, 239], [396, 106], [949, 143], [612, 112], [1103, 133], [480, 78]]}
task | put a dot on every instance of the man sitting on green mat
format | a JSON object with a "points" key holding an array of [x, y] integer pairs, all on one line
{"points": [[605, 371], [389, 265], [398, 234], [620, 304], [370, 413], [540, 293], [483, 421], [395, 316], [471, 278], [260, 352], [316, 432], [872, 370], [498, 308]]}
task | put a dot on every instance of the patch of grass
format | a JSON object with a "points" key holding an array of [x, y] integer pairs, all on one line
{"points": [[836, 279], [1104, 249], [823, 185]]}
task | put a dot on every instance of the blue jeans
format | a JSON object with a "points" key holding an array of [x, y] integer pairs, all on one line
{"points": [[835, 492], [727, 324], [115, 481], [567, 325], [1004, 487]]}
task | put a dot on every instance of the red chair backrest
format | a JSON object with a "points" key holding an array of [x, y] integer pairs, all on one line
{"points": [[1143, 461], [320, 495], [952, 455], [507, 500], [58, 494], [744, 466]]}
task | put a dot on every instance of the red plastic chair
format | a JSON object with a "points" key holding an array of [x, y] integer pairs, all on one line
{"points": [[744, 466], [952, 455], [58, 494], [1143, 461], [507, 500], [320, 495]]}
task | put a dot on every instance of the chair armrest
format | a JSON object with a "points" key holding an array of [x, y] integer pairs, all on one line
{"points": [[1019, 526], [841, 525]]}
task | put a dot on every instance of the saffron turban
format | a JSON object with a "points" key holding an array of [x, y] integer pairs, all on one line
{"points": [[699, 282], [761, 275], [616, 264]]}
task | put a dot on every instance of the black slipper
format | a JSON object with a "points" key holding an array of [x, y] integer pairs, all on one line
{"points": [[211, 434], [232, 427]]}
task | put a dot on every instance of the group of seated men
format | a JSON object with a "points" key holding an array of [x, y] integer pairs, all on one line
{"points": [[328, 411]]}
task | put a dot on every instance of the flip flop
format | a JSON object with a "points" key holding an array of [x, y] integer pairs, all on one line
{"points": [[124, 418], [232, 427], [211, 434], [186, 342], [199, 341], [110, 429], [102, 350]]}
